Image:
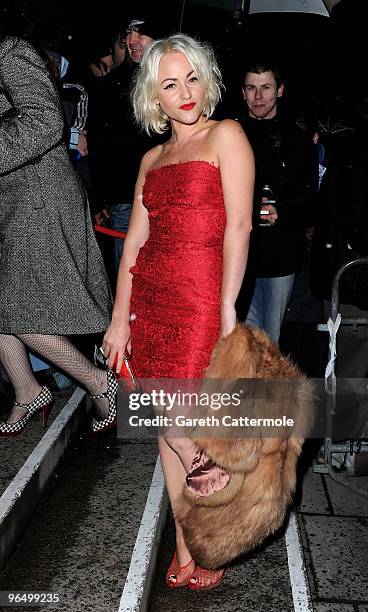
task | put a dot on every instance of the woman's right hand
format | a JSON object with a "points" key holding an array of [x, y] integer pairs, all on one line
{"points": [[116, 341]]}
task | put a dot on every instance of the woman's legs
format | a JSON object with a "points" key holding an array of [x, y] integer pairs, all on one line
{"points": [[204, 475], [60, 351], [175, 475], [15, 361], [183, 448]]}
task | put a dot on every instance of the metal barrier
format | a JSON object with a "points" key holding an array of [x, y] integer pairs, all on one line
{"points": [[329, 446]]}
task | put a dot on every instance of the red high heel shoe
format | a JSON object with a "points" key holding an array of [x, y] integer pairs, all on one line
{"points": [[43, 402], [204, 580], [179, 575]]}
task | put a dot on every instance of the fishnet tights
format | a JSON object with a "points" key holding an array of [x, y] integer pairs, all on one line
{"points": [[60, 351]]}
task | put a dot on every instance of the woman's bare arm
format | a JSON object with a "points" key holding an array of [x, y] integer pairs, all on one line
{"points": [[117, 337], [236, 163]]}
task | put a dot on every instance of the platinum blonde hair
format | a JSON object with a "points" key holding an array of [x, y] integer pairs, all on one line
{"points": [[145, 85]]}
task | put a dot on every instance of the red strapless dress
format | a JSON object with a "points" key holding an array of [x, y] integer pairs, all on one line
{"points": [[178, 272]]}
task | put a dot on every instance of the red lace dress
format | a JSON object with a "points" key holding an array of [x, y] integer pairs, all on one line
{"points": [[178, 273]]}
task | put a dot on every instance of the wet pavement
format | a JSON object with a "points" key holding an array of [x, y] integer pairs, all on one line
{"points": [[258, 582], [334, 527], [80, 541], [15, 451]]}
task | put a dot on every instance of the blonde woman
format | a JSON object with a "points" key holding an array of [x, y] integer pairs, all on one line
{"points": [[186, 250]]}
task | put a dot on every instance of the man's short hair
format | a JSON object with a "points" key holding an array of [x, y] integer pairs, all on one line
{"points": [[148, 25], [260, 67]]}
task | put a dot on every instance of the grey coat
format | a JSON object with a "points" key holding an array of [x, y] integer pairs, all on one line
{"points": [[52, 277]]}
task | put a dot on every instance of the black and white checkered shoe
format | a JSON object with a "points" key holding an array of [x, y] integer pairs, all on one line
{"points": [[111, 394], [43, 402]]}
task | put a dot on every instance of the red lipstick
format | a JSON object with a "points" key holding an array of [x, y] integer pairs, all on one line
{"points": [[188, 106]]}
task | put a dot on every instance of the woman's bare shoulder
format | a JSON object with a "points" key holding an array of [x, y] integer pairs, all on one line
{"points": [[150, 158], [227, 128], [229, 143]]}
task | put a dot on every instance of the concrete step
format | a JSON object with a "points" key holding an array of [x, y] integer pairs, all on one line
{"points": [[334, 528], [35, 455], [80, 542], [258, 582], [95, 542], [15, 451]]}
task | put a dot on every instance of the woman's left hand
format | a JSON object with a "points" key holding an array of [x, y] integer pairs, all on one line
{"points": [[228, 319]]}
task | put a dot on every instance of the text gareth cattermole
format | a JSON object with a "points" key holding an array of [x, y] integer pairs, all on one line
{"points": [[210, 421]]}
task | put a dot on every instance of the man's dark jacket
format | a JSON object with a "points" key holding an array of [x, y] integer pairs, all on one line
{"points": [[341, 229], [285, 160], [116, 144]]}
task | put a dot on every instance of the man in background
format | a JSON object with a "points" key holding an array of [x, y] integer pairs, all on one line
{"points": [[116, 145], [286, 170]]}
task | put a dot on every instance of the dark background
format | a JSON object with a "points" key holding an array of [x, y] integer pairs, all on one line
{"points": [[324, 59]]}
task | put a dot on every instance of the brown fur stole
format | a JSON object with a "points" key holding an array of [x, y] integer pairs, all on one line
{"points": [[253, 505]]}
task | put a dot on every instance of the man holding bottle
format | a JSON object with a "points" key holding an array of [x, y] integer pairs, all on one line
{"points": [[286, 167]]}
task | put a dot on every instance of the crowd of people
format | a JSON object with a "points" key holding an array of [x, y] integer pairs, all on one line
{"points": [[134, 147]]}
